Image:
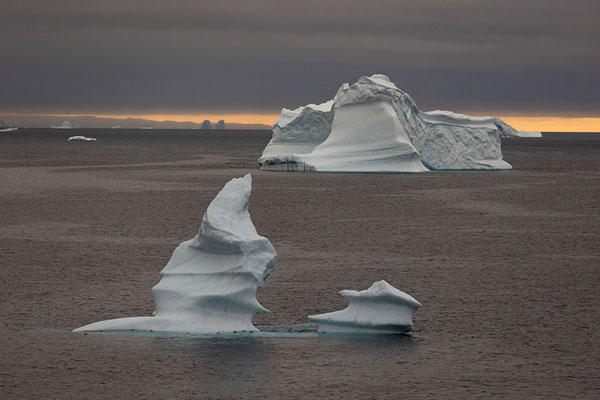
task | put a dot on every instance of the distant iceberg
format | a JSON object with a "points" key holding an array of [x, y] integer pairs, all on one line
{"points": [[65, 125], [82, 139], [209, 284], [372, 126], [11, 129], [379, 309]]}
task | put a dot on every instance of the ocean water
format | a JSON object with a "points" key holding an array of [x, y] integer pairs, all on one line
{"points": [[506, 265]]}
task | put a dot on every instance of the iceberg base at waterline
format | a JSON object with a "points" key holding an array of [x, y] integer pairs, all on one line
{"points": [[209, 284], [380, 309]]}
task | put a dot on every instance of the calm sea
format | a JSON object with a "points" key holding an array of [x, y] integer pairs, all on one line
{"points": [[506, 265]]}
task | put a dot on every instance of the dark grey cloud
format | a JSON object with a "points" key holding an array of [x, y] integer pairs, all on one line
{"points": [[538, 56]]}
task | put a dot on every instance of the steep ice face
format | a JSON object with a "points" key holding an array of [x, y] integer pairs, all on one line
{"points": [[209, 284], [379, 309], [299, 131], [366, 138], [412, 141]]}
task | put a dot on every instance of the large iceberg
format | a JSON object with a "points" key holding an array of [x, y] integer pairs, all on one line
{"points": [[372, 126], [379, 309], [209, 284]]}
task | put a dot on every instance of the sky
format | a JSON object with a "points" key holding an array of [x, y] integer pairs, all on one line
{"points": [[248, 59]]}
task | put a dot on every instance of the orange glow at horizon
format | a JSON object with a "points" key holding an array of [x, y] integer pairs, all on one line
{"points": [[554, 124], [531, 123], [248, 118]]}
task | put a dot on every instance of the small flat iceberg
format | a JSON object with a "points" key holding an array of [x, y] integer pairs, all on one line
{"points": [[65, 125], [81, 139], [209, 284], [379, 309], [11, 129], [373, 126]]}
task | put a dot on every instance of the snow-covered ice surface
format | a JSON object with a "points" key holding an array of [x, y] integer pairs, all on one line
{"points": [[373, 126], [209, 284], [379, 309], [65, 125], [81, 139]]}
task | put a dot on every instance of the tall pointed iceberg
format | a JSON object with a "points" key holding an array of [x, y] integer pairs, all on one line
{"points": [[209, 284]]}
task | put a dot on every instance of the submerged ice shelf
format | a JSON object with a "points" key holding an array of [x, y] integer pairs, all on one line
{"points": [[209, 284], [373, 126], [379, 309]]}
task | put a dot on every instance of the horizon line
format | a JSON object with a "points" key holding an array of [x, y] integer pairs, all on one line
{"points": [[527, 123]]}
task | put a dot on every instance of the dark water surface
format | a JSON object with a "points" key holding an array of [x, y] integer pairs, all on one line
{"points": [[506, 265]]}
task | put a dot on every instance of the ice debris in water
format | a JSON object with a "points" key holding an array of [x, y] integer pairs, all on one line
{"points": [[373, 126], [81, 139], [209, 284], [379, 309]]}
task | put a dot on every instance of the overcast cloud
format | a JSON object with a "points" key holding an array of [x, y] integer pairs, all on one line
{"points": [[536, 57]]}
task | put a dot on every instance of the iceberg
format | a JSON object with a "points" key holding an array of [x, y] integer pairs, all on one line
{"points": [[373, 126], [206, 124], [81, 139], [65, 125], [220, 124], [209, 284], [11, 129], [379, 309]]}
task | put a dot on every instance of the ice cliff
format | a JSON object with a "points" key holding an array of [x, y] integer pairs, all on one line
{"points": [[209, 284], [373, 126], [379, 309]]}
